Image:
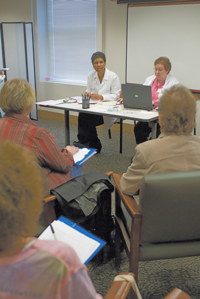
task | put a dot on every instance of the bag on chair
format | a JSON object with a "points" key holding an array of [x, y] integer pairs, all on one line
{"points": [[86, 200]]}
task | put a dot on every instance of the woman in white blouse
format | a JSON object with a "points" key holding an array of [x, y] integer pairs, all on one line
{"points": [[103, 85]]}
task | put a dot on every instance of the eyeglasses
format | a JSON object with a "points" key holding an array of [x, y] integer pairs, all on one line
{"points": [[158, 70]]}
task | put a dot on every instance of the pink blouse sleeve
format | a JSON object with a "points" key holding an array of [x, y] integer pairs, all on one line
{"points": [[80, 286]]}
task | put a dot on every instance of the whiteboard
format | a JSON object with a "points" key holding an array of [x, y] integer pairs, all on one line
{"points": [[167, 30]]}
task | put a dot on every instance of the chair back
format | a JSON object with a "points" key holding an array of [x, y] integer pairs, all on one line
{"points": [[170, 206]]}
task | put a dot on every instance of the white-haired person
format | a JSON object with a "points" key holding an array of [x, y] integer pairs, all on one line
{"points": [[29, 267], [176, 149], [17, 98]]}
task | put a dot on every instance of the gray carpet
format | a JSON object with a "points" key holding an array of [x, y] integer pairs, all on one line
{"points": [[156, 278]]}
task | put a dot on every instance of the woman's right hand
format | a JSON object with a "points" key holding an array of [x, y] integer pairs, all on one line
{"points": [[120, 100]]}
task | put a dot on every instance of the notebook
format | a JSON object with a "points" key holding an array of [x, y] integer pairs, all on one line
{"points": [[137, 96]]}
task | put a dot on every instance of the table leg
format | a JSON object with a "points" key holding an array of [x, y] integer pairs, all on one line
{"points": [[121, 135], [154, 129], [67, 131]]}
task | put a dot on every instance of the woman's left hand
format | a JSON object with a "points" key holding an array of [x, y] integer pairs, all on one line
{"points": [[96, 96]]}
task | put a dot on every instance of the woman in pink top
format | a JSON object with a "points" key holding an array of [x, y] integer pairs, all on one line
{"points": [[160, 81], [32, 268]]}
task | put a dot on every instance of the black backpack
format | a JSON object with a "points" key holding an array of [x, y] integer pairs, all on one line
{"points": [[86, 200]]}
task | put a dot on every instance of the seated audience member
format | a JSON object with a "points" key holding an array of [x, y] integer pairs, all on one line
{"points": [[1, 80], [17, 99], [102, 85], [32, 268], [160, 81], [176, 149]]}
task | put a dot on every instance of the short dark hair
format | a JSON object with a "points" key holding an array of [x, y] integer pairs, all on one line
{"points": [[98, 55]]}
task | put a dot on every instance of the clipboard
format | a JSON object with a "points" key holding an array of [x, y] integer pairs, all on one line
{"points": [[86, 244]]}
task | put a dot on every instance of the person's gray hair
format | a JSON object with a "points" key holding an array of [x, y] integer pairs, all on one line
{"points": [[17, 96], [177, 107]]}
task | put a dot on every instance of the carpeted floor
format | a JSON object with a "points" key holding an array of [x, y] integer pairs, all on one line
{"points": [[156, 278]]}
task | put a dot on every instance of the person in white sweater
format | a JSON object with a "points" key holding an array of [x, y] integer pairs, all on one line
{"points": [[102, 85]]}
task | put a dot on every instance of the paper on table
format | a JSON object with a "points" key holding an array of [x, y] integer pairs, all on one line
{"points": [[51, 102], [146, 112], [82, 244], [130, 112], [100, 108], [79, 101]]}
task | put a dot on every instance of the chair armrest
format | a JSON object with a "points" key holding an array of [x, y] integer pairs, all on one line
{"points": [[177, 294], [119, 289], [109, 173], [128, 201], [49, 209], [49, 198], [131, 234]]}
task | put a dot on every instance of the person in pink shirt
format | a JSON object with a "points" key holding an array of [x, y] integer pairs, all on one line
{"points": [[160, 81], [32, 268]]}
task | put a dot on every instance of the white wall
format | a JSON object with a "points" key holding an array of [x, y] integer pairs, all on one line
{"points": [[177, 39], [15, 10]]}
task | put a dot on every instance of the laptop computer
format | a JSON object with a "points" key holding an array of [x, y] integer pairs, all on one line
{"points": [[137, 96]]}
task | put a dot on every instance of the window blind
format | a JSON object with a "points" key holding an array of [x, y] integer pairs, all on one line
{"points": [[71, 26]]}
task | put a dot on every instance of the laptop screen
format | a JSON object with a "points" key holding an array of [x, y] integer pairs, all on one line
{"points": [[137, 96]]}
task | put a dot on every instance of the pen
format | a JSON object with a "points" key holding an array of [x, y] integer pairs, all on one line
{"points": [[53, 232]]}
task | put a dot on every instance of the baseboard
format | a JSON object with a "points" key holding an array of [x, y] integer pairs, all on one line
{"points": [[127, 128]]}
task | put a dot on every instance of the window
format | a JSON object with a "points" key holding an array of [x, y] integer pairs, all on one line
{"points": [[71, 39]]}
